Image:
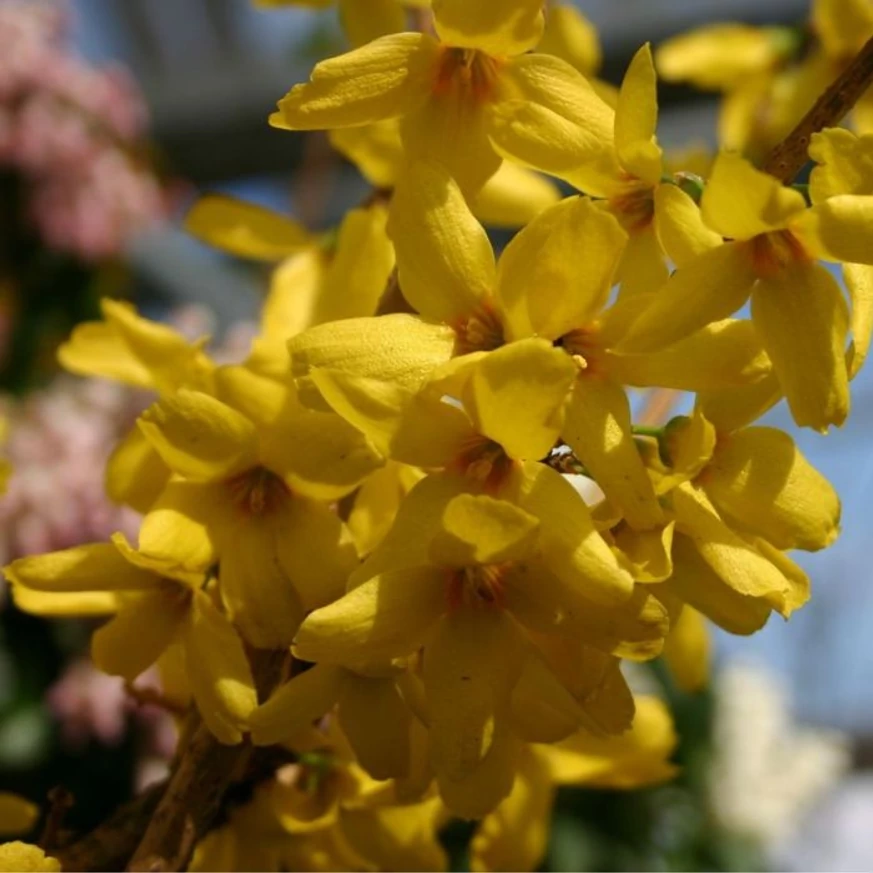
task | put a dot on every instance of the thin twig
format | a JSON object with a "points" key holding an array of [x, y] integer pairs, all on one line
{"points": [[791, 155], [60, 803]]}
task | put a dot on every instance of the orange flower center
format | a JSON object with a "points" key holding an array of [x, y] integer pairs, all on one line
{"points": [[480, 332], [258, 491], [466, 73], [585, 347], [483, 461], [635, 208], [478, 586], [772, 253]]}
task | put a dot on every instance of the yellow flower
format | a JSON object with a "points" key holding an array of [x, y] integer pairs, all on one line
{"points": [[514, 836], [17, 815], [740, 500], [687, 650], [250, 491], [797, 306], [23, 858], [159, 603], [466, 98]]}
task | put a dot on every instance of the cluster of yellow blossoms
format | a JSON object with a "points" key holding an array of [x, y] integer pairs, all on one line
{"points": [[380, 486]]}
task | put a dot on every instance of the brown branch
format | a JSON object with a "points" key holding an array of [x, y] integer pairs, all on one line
{"points": [[791, 155], [204, 771], [60, 803]]}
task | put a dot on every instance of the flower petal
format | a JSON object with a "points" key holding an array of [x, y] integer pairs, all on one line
{"points": [[535, 274], [371, 83], [598, 429], [200, 437], [218, 670], [708, 288], [444, 258], [385, 617], [135, 473], [859, 282], [245, 229], [838, 229], [680, 227], [151, 620], [85, 604], [297, 704], [844, 164], [687, 651], [636, 119], [499, 27], [365, 22], [760, 479], [803, 320], [514, 196]]}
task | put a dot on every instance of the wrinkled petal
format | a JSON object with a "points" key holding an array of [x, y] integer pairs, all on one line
{"points": [[200, 437], [802, 318], [218, 670], [371, 83], [388, 616], [24, 858]]}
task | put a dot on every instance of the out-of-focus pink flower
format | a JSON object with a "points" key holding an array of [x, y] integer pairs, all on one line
{"points": [[72, 132]]}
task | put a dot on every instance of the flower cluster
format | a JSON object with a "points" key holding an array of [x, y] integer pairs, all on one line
{"points": [[71, 131], [379, 487]]}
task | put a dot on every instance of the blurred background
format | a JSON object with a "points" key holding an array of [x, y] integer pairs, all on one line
{"points": [[133, 108]]}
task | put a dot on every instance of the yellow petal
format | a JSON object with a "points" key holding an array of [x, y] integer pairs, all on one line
{"points": [[636, 119], [358, 272], [371, 83], [838, 229], [376, 150], [708, 288], [718, 56], [741, 202], [315, 550], [723, 354], [842, 25], [132, 641], [481, 530], [84, 604], [515, 835], [647, 552], [803, 320], [598, 429], [698, 585], [759, 478], [500, 27], [470, 668], [17, 815], [844, 164], [218, 670], [317, 453], [393, 348], [24, 858], [364, 22], [571, 547], [517, 394], [97, 567], [375, 720], [444, 259], [535, 273], [732, 408], [297, 704], [679, 225], [180, 525], [385, 617], [513, 196], [799, 588], [245, 229], [135, 473], [96, 349], [200, 437], [259, 595], [376, 505], [555, 122], [639, 757], [643, 268], [688, 651], [570, 36], [742, 567], [859, 282]]}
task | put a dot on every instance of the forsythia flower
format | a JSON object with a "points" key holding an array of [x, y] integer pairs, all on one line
{"points": [[465, 98]]}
